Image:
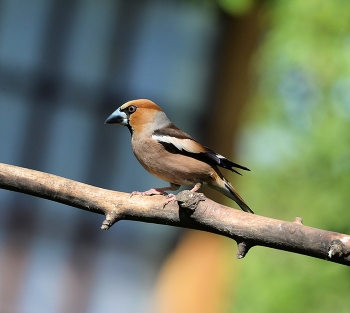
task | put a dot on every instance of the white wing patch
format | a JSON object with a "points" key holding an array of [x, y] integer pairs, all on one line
{"points": [[220, 156], [188, 145]]}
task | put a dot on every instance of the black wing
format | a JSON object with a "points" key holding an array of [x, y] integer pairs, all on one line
{"points": [[176, 141]]}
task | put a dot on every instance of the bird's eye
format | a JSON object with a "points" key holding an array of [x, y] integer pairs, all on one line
{"points": [[131, 109]]}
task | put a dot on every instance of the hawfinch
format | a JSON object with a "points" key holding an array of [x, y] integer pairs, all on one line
{"points": [[170, 154]]}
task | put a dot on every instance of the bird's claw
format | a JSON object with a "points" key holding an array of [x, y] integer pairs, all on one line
{"points": [[154, 191], [150, 192], [135, 193], [170, 198]]}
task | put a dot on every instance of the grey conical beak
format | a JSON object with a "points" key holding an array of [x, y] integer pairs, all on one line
{"points": [[117, 117]]}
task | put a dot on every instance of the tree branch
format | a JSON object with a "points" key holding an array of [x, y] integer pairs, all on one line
{"points": [[192, 210]]}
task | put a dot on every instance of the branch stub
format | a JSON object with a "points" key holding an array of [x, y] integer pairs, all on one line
{"points": [[189, 200]]}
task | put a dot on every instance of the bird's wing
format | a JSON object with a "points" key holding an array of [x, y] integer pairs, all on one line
{"points": [[175, 140]]}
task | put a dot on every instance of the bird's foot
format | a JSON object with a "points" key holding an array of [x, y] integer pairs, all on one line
{"points": [[151, 192], [156, 191], [170, 198]]}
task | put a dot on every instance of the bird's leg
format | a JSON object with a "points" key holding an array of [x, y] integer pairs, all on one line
{"points": [[196, 187], [156, 191], [159, 191], [172, 197], [152, 191]]}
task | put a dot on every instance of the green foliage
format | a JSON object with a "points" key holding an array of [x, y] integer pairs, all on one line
{"points": [[297, 143]]}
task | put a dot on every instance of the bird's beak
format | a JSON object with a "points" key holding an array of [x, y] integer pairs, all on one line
{"points": [[117, 117]]}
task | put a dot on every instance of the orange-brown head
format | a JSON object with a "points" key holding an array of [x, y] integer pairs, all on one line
{"points": [[139, 116]]}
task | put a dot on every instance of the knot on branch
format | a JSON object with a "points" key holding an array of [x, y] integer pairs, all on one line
{"points": [[243, 248], [110, 219], [189, 200], [298, 220], [337, 249]]}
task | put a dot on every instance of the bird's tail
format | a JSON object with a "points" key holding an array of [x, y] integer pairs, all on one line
{"points": [[226, 188]]}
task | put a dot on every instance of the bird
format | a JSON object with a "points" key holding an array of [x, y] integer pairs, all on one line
{"points": [[171, 154]]}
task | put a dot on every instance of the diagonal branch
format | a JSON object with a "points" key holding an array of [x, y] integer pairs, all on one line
{"points": [[192, 210]]}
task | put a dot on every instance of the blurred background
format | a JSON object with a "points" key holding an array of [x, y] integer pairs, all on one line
{"points": [[266, 83]]}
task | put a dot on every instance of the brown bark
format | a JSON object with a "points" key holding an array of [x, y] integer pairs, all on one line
{"points": [[192, 211]]}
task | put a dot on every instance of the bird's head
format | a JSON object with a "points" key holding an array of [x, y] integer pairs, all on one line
{"points": [[139, 116]]}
